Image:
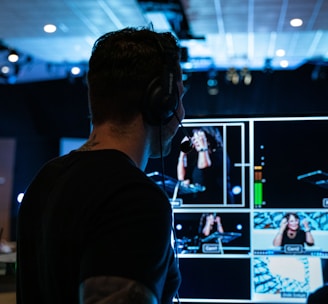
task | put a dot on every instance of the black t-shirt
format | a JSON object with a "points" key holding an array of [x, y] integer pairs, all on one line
{"points": [[211, 177], [93, 214], [299, 238]]}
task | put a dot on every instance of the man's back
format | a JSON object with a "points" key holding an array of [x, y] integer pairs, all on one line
{"points": [[71, 233]]}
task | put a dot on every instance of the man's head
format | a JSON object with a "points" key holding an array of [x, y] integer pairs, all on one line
{"points": [[134, 71]]}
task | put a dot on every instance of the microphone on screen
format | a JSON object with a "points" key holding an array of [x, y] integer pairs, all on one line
{"points": [[187, 145]]}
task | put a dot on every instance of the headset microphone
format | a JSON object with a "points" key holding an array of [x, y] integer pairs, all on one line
{"points": [[187, 145]]}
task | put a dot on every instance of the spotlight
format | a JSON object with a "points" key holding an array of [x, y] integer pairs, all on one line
{"points": [[13, 56], [246, 74], [75, 71], [296, 22], [5, 69], [233, 76], [9, 73], [50, 28]]}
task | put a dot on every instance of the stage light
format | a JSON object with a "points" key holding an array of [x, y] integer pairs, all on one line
{"points": [[246, 75], [5, 69], [296, 22], [280, 53], [13, 56], [50, 28], [10, 73], [232, 75], [75, 71], [284, 63]]}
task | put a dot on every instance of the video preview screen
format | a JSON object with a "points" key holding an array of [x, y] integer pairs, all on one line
{"points": [[250, 208]]}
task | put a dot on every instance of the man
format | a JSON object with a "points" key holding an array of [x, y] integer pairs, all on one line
{"points": [[319, 296], [92, 227]]}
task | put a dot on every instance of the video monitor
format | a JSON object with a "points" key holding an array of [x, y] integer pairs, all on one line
{"points": [[207, 231], [290, 162], [289, 232], [290, 254], [269, 169], [250, 208], [286, 279], [215, 280], [275, 162], [214, 173]]}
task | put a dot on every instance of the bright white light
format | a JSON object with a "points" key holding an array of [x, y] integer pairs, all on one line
{"points": [[296, 22], [239, 227], [5, 69], [280, 53], [236, 190], [178, 227], [284, 63], [13, 57], [20, 197], [75, 71], [50, 28]]}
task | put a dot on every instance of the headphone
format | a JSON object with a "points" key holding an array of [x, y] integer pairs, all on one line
{"points": [[161, 98]]}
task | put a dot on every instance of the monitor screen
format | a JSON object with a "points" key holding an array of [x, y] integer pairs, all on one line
{"points": [[250, 206]]}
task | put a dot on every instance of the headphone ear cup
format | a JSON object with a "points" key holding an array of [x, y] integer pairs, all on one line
{"points": [[159, 106]]}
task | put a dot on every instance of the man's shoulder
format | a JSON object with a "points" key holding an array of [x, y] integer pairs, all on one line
{"points": [[321, 294]]}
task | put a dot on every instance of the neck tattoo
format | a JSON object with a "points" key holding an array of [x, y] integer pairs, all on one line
{"points": [[89, 145]]}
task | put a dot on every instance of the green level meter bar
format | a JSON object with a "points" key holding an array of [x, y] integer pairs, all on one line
{"points": [[258, 194]]}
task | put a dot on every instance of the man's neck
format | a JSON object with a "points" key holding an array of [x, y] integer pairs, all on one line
{"points": [[130, 139]]}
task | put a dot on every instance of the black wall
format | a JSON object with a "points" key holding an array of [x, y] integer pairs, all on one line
{"points": [[270, 93], [38, 114]]}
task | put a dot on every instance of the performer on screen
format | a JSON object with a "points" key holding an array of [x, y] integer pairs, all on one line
{"points": [[209, 223], [290, 232], [204, 166]]}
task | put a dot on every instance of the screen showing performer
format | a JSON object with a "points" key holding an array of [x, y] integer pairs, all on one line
{"points": [[290, 231], [200, 231], [207, 166]]}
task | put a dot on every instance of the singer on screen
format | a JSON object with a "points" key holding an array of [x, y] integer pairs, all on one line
{"points": [[204, 166], [290, 231]]}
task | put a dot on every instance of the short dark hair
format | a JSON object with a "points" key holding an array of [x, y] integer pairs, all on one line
{"points": [[122, 65]]}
